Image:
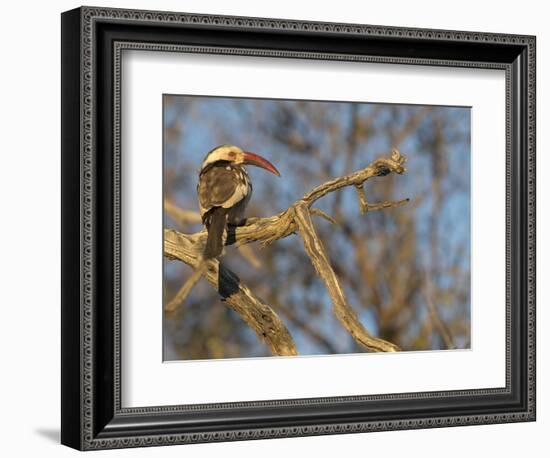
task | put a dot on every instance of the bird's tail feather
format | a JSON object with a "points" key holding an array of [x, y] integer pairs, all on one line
{"points": [[216, 221]]}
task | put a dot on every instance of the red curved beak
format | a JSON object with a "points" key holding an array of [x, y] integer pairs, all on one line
{"points": [[259, 161]]}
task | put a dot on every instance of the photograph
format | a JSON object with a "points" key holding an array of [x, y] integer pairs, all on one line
{"points": [[309, 228]]}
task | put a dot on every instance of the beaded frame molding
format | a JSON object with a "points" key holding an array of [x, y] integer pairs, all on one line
{"points": [[92, 42]]}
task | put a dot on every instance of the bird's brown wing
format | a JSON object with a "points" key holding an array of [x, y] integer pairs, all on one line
{"points": [[216, 186]]}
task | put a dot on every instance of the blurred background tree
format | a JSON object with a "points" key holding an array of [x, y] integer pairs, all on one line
{"points": [[405, 270]]}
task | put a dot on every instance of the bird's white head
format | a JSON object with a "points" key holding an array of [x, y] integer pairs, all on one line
{"points": [[235, 155]]}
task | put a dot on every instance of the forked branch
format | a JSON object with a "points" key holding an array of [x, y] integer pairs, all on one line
{"points": [[342, 310], [256, 314], [297, 218]]}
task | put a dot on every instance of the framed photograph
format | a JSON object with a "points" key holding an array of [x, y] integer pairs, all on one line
{"points": [[276, 228]]}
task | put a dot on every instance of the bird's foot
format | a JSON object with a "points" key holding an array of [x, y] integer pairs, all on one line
{"points": [[244, 222]]}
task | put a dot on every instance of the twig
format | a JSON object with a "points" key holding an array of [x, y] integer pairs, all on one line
{"points": [[185, 288], [322, 214], [180, 215], [305, 326], [380, 167], [436, 320], [248, 253], [365, 206]]}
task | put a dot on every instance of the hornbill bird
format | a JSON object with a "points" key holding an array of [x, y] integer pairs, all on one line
{"points": [[224, 190]]}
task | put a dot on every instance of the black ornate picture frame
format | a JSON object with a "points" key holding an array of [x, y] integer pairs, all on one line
{"points": [[92, 42]]}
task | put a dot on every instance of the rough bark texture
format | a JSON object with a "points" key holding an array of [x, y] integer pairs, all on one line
{"points": [[258, 315], [342, 310], [188, 248]]}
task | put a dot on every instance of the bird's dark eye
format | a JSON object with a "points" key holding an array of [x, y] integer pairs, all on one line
{"points": [[232, 154]]}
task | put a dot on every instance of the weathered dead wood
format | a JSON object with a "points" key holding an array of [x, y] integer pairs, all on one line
{"points": [[258, 315], [365, 206], [342, 310], [297, 218]]}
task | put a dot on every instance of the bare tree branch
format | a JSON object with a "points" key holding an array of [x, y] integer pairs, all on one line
{"points": [[365, 206], [248, 253], [180, 215], [297, 218], [258, 315], [306, 326], [322, 214], [347, 316], [435, 318], [380, 167], [186, 288], [183, 217]]}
